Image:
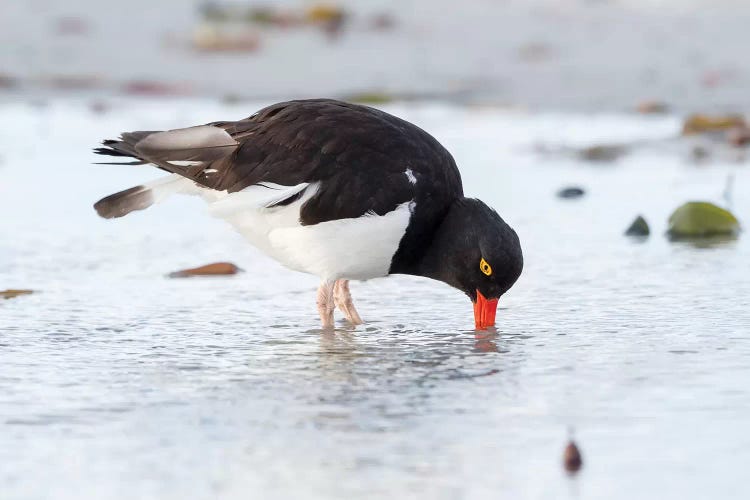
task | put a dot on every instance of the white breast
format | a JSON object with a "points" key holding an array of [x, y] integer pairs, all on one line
{"points": [[360, 248]]}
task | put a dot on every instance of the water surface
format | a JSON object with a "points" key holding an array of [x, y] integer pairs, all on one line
{"points": [[116, 382]]}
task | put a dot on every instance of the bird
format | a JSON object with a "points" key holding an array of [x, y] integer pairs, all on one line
{"points": [[338, 190]]}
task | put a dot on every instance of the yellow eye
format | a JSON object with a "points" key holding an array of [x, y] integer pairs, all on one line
{"points": [[485, 267]]}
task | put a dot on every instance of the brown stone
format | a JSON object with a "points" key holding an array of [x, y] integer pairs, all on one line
{"points": [[572, 460], [10, 294], [215, 269], [739, 136], [652, 107]]}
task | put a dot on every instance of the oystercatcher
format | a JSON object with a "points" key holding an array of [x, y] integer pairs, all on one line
{"points": [[338, 190]]}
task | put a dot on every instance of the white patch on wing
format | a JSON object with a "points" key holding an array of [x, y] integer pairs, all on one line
{"points": [[184, 163], [410, 175]]}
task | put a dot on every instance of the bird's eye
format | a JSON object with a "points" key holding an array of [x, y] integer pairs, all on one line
{"points": [[485, 267]]}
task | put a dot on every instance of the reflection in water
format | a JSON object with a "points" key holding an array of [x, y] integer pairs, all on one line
{"points": [[706, 242], [485, 342]]}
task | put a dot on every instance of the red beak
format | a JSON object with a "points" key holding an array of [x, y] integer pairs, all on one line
{"points": [[484, 311]]}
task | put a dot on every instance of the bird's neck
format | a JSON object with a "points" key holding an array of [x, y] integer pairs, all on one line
{"points": [[433, 260], [428, 248]]}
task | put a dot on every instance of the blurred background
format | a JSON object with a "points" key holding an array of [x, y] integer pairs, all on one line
{"points": [[611, 134], [572, 54]]}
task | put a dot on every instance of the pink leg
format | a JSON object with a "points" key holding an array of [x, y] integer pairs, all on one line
{"points": [[344, 302], [325, 303]]}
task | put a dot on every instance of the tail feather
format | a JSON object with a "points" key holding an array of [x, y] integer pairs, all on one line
{"points": [[125, 146], [140, 197], [192, 155], [124, 202]]}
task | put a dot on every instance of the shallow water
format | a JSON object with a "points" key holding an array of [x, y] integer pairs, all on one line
{"points": [[116, 382]]}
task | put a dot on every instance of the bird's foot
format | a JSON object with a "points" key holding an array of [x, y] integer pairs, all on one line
{"points": [[343, 300], [325, 303]]}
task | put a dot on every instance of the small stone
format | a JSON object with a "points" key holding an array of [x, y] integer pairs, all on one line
{"points": [[699, 153], [215, 269], [739, 136], [154, 88], [324, 13], [602, 153], [382, 22], [11, 294], [8, 81], [213, 38], [572, 461], [699, 124], [699, 219], [639, 227], [571, 192], [652, 107]]}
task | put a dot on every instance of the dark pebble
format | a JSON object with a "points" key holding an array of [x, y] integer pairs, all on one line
{"points": [[571, 192], [572, 460], [639, 227]]}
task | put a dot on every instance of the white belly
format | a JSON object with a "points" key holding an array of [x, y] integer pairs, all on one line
{"points": [[358, 249]]}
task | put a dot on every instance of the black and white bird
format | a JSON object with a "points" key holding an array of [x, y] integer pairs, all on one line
{"points": [[338, 190]]}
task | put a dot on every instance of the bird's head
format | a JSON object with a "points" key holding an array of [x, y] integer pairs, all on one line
{"points": [[475, 251]]}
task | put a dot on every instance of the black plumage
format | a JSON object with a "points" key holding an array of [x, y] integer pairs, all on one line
{"points": [[362, 161]]}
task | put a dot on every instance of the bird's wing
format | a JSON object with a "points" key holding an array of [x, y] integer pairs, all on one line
{"points": [[361, 159]]}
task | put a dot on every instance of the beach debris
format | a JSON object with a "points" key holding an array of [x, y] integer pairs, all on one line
{"points": [[324, 13], [739, 136], [602, 153], [8, 81], [154, 88], [215, 269], [330, 18], [382, 21], [212, 37], [652, 107], [373, 97], [571, 192], [639, 227], [700, 124], [13, 293], [72, 82], [699, 153], [572, 460], [700, 219], [232, 27], [269, 17]]}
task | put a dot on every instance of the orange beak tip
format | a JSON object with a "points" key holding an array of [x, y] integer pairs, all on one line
{"points": [[484, 311]]}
